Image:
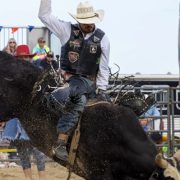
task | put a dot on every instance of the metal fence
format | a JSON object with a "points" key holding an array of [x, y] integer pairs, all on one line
{"points": [[167, 103], [1, 133], [24, 36], [6, 34]]}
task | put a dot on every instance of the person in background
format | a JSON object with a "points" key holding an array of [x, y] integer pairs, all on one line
{"points": [[84, 64], [41, 50], [148, 123], [49, 61], [23, 52], [10, 48], [15, 133]]}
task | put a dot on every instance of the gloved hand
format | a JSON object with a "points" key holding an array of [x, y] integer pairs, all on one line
{"points": [[74, 98], [74, 95], [69, 105], [102, 95]]}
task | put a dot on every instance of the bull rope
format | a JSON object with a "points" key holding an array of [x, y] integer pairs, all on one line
{"points": [[73, 148], [57, 78], [37, 86]]}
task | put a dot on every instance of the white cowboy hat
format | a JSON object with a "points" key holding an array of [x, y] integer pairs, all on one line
{"points": [[87, 15]]}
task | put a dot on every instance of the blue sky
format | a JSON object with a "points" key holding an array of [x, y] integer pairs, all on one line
{"points": [[143, 33]]}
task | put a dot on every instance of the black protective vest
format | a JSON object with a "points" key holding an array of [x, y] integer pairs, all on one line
{"points": [[80, 56]]}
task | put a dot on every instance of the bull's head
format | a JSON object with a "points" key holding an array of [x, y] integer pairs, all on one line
{"points": [[170, 167], [16, 82]]}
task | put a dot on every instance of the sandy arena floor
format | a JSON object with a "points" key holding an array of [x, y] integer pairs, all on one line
{"points": [[53, 172]]}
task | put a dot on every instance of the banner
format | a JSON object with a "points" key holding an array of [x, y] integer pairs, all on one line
{"points": [[14, 29], [1, 28], [30, 28]]}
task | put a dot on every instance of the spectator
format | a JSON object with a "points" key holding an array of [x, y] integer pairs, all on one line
{"points": [[148, 124], [41, 50], [48, 61], [2, 141], [10, 48], [23, 52], [14, 132]]}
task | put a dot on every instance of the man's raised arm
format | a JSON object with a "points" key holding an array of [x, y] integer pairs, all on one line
{"points": [[60, 28]]}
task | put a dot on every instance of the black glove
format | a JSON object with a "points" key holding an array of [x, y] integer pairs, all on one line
{"points": [[69, 105], [101, 95], [74, 98], [74, 95]]}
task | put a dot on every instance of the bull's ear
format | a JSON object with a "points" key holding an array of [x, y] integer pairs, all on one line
{"points": [[162, 163], [177, 155]]}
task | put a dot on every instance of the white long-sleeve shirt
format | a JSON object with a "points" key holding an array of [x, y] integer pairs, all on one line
{"points": [[62, 30]]}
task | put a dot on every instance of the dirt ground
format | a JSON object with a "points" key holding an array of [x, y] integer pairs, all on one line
{"points": [[53, 172]]}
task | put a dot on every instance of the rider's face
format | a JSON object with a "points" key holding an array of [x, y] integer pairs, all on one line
{"points": [[87, 28]]}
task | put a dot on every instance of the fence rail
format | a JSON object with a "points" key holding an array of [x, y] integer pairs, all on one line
{"points": [[24, 36], [6, 34]]}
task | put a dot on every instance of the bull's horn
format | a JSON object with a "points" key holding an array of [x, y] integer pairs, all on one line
{"points": [[162, 163], [177, 155]]}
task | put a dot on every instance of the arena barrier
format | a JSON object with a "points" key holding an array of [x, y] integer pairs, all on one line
{"points": [[168, 123]]}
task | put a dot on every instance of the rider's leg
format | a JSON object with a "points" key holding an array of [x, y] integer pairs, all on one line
{"points": [[65, 124]]}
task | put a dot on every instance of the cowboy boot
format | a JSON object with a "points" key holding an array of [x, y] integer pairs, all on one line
{"points": [[59, 150]]}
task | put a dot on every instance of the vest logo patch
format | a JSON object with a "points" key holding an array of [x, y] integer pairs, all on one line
{"points": [[76, 44], [73, 56], [96, 39], [76, 32], [93, 49]]}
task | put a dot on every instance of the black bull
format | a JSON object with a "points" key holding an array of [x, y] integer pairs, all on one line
{"points": [[112, 143]]}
